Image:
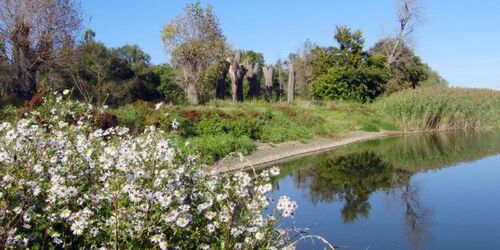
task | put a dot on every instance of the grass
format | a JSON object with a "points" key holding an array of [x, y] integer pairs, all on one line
{"points": [[221, 127], [442, 108]]}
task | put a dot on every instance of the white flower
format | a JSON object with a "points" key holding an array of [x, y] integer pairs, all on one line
{"points": [[274, 171], [175, 124], [259, 236], [158, 105], [286, 206], [77, 228], [163, 245], [65, 92], [65, 213], [182, 221], [211, 228], [37, 168]]}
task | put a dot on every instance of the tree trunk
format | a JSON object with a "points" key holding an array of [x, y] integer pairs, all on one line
{"points": [[25, 73], [268, 79], [237, 74], [192, 94], [291, 82], [253, 80], [221, 83], [191, 91]]}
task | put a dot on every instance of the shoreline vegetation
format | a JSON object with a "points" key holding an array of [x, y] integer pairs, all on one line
{"points": [[219, 128]]}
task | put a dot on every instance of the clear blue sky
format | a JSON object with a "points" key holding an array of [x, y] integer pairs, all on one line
{"points": [[460, 39]]}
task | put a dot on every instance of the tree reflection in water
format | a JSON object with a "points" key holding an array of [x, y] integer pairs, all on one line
{"points": [[352, 178], [352, 174]]}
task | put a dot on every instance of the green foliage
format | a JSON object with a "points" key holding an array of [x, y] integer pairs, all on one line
{"points": [[408, 71], [216, 147], [442, 108], [8, 113], [355, 75], [252, 57], [360, 84], [163, 76], [135, 57], [197, 45]]}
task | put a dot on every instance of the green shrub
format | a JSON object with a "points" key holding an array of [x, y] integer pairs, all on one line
{"points": [[216, 147]]}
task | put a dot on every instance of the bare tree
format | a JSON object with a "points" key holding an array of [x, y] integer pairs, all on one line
{"points": [[291, 82], [237, 73], [220, 91], [409, 15], [252, 76], [268, 79], [33, 31]]}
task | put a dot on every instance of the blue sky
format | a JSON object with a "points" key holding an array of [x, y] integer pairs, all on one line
{"points": [[459, 39]]}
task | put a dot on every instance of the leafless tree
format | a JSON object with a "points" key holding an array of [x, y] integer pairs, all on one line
{"points": [[268, 79], [237, 73], [33, 31], [409, 16], [291, 82], [220, 91], [252, 75]]}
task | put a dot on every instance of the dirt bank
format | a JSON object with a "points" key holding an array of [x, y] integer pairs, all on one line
{"points": [[269, 154]]}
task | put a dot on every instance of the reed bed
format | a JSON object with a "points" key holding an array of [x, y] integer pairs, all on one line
{"points": [[442, 108]]}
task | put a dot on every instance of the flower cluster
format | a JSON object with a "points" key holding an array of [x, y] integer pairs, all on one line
{"points": [[66, 184]]}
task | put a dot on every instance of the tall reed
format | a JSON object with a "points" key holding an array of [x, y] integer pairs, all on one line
{"points": [[442, 108]]}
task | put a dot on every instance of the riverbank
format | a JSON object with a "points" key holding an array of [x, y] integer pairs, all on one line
{"points": [[269, 154]]}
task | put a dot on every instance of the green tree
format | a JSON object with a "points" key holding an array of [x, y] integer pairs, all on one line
{"points": [[135, 57], [407, 71], [355, 75], [196, 43], [169, 90]]}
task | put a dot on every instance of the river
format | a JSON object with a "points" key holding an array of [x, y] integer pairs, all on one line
{"points": [[424, 191]]}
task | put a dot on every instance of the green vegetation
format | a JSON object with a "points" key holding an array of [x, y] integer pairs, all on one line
{"points": [[221, 127], [442, 108]]}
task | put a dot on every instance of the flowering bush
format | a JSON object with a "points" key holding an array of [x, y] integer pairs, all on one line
{"points": [[64, 183]]}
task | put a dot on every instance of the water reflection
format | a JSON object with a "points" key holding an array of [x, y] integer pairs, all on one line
{"points": [[351, 175]]}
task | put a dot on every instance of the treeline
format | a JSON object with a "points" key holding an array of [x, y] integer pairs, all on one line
{"points": [[42, 49]]}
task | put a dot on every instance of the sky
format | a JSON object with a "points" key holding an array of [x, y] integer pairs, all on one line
{"points": [[459, 39]]}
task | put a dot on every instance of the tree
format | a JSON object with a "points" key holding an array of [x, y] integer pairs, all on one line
{"points": [[268, 79], [237, 73], [195, 42], [409, 15], [253, 61], [291, 83], [33, 31], [310, 62], [135, 57], [95, 64], [409, 71], [356, 76]]}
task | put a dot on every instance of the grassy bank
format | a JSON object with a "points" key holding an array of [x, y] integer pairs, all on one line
{"points": [[221, 127], [442, 108]]}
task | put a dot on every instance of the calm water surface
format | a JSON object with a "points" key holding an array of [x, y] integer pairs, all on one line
{"points": [[428, 191]]}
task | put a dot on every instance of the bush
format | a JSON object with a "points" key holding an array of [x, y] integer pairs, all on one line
{"points": [[359, 84], [65, 184]]}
